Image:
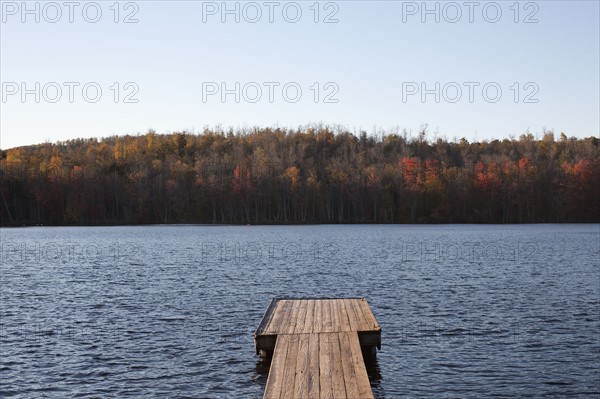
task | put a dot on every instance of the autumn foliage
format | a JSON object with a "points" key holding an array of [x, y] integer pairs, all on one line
{"points": [[310, 175]]}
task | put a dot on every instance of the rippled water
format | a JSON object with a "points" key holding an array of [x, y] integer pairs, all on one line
{"points": [[169, 311]]}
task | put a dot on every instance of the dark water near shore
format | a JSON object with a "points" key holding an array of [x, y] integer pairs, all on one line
{"points": [[169, 311]]}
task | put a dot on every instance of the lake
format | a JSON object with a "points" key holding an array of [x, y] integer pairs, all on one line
{"points": [[466, 311]]}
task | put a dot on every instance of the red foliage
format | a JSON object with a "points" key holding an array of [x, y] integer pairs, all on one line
{"points": [[487, 177], [412, 173], [241, 181]]}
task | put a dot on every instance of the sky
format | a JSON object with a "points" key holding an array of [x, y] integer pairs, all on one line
{"points": [[480, 70]]}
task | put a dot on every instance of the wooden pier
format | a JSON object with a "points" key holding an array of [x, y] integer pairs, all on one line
{"points": [[317, 347]]}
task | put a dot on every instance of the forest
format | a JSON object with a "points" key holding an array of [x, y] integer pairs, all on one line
{"points": [[313, 174]]}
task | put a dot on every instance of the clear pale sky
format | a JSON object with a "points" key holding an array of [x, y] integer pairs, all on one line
{"points": [[373, 55]]}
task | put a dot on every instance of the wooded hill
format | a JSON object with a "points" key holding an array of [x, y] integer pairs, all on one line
{"points": [[310, 175]]}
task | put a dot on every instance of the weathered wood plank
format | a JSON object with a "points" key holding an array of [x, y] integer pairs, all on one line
{"points": [[370, 321], [299, 328], [360, 317], [334, 316], [360, 371], [286, 317], [302, 366], [343, 316], [318, 317], [337, 373], [348, 366], [310, 317], [276, 374], [312, 379], [289, 375], [275, 323], [269, 314], [294, 311], [327, 327], [325, 383], [351, 315]]}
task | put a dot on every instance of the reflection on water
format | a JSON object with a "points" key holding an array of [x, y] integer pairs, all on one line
{"points": [[169, 311], [374, 372], [262, 370]]}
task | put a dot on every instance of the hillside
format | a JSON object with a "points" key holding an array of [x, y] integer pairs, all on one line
{"points": [[311, 175]]}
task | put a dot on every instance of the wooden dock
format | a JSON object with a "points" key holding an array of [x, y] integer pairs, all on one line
{"points": [[317, 347]]}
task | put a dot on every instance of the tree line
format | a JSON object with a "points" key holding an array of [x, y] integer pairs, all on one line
{"points": [[308, 175]]}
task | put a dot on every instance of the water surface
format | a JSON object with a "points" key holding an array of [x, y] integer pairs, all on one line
{"points": [[169, 311]]}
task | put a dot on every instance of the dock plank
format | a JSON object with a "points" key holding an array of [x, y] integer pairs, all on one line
{"points": [[275, 321], [275, 379], [286, 317], [269, 314], [310, 317], [318, 317], [299, 329], [293, 317], [302, 367], [327, 327], [351, 316], [343, 317], [313, 371], [337, 372], [348, 366], [360, 371], [325, 373], [335, 326], [370, 321], [360, 317], [289, 375]]}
